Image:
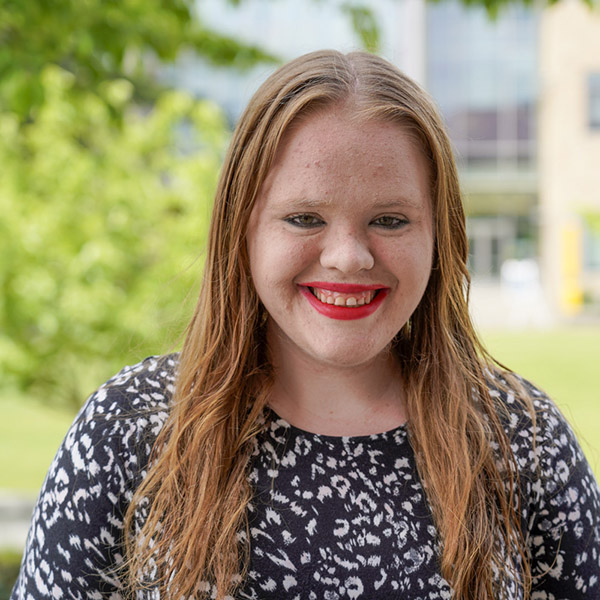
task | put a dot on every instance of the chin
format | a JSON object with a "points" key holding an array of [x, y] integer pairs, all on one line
{"points": [[348, 359]]}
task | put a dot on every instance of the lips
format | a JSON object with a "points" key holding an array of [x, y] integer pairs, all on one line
{"points": [[344, 301]]}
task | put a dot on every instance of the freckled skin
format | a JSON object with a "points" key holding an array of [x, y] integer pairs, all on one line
{"points": [[341, 172]]}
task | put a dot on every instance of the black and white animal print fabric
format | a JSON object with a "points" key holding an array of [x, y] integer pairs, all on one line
{"points": [[332, 517]]}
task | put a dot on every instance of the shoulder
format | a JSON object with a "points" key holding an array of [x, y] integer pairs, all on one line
{"points": [[559, 494], [122, 418], [547, 452], [76, 533], [523, 407], [530, 417], [136, 391]]}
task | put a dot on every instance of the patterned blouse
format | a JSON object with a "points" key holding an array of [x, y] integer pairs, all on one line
{"points": [[331, 518]]}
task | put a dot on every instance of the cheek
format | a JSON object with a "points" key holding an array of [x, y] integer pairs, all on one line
{"points": [[424, 261], [410, 261], [276, 261]]}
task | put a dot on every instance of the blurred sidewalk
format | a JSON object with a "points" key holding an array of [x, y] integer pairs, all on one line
{"points": [[15, 514], [495, 306]]}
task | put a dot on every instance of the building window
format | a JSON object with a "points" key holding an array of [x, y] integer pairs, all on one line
{"points": [[591, 246], [482, 73], [594, 100]]}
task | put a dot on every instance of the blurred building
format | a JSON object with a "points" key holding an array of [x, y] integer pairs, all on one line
{"points": [[289, 28], [483, 75], [521, 98], [569, 153]]}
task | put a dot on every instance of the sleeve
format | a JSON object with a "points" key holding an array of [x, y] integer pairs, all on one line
{"points": [[564, 527], [74, 546]]}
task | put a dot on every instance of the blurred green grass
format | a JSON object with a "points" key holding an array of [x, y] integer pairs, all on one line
{"points": [[564, 362], [30, 434]]}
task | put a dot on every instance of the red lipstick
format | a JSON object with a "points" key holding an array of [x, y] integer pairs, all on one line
{"points": [[344, 313]]}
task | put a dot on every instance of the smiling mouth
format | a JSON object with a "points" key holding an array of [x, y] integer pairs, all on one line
{"points": [[344, 301], [348, 299]]}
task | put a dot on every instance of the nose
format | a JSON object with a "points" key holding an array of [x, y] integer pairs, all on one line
{"points": [[346, 251]]}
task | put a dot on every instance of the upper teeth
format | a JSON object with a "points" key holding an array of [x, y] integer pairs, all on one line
{"points": [[341, 299]]}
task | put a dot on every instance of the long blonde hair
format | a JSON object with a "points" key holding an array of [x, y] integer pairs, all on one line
{"points": [[194, 539]]}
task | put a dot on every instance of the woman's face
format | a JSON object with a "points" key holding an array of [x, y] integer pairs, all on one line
{"points": [[341, 238]]}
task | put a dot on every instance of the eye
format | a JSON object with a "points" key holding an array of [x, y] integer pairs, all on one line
{"points": [[390, 222], [304, 220]]}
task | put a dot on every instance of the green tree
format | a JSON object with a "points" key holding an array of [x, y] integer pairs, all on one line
{"points": [[102, 40], [105, 185], [102, 230]]}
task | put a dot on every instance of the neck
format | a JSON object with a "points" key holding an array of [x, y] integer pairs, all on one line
{"points": [[339, 401]]}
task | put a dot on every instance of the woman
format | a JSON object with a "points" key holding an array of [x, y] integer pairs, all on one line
{"points": [[333, 427]]}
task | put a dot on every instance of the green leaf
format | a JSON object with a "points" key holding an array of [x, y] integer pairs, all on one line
{"points": [[364, 24], [103, 229]]}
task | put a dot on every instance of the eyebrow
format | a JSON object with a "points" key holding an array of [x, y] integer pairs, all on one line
{"points": [[398, 203]]}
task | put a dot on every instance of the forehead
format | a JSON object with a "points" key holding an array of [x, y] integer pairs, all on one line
{"points": [[332, 150], [334, 126]]}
